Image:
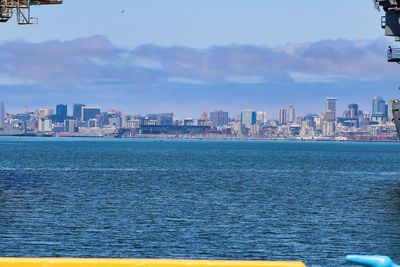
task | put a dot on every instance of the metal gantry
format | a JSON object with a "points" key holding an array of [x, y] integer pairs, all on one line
{"points": [[390, 22], [22, 9]]}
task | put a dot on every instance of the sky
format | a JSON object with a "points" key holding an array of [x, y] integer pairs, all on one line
{"points": [[187, 56]]}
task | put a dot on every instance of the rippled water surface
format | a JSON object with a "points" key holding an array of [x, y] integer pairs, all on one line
{"points": [[314, 202]]}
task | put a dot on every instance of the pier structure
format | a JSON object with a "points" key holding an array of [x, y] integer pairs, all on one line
{"points": [[22, 10]]}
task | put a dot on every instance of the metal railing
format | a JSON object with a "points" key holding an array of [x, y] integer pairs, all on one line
{"points": [[42, 262], [393, 55]]}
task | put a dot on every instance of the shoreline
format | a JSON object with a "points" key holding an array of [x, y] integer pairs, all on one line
{"points": [[208, 138]]}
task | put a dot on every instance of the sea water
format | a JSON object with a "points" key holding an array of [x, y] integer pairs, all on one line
{"points": [[246, 200]]}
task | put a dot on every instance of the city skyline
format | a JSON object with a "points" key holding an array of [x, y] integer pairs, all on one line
{"points": [[200, 64], [290, 111]]}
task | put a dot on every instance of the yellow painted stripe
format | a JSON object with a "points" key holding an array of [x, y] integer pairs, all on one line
{"points": [[59, 262]]}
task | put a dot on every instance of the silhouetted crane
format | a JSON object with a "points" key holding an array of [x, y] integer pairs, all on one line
{"points": [[22, 9]]}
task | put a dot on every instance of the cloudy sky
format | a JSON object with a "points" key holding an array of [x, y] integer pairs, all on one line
{"points": [[185, 56]]}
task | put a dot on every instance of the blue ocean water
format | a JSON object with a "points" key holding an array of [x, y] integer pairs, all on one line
{"points": [[314, 202]]}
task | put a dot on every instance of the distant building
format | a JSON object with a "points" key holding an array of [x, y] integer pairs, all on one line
{"points": [[2, 113], [93, 123], [219, 118], [282, 116], [248, 118], [44, 112], [328, 128], [379, 107], [204, 116], [292, 114], [262, 117], [45, 125], [89, 113], [77, 112], [331, 105], [69, 126], [162, 118], [116, 122], [61, 113]]}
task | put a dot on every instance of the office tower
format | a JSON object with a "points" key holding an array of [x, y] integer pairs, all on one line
{"points": [[378, 105], [248, 118], [26, 111], [353, 111], [69, 126], [292, 114], [89, 113], [2, 113], [61, 113], [262, 117], [331, 105], [204, 116], [282, 116], [219, 118], [77, 112], [45, 125]]}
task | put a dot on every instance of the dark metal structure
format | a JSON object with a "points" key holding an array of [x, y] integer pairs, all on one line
{"points": [[390, 22], [22, 9]]}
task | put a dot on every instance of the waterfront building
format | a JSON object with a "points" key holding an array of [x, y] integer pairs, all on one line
{"points": [[45, 125], [116, 122], [133, 123], [89, 113], [77, 110], [262, 117], [204, 116], [2, 113], [69, 126], [248, 118], [292, 114], [219, 118], [282, 116], [124, 119], [161, 118], [61, 112], [93, 123], [328, 128]]}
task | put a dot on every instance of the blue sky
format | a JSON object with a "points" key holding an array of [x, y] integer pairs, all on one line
{"points": [[186, 56]]}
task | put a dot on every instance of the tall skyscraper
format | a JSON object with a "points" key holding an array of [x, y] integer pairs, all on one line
{"points": [[379, 106], [331, 105], [262, 117], [2, 113], [248, 117], [204, 116], [353, 110], [292, 114], [219, 118], [61, 112], [89, 113], [282, 116], [77, 112]]}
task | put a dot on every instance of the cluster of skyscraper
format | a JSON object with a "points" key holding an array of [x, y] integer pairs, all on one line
{"points": [[91, 121]]}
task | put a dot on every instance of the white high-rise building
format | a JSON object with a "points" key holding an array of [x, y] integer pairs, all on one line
{"points": [[262, 116]]}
